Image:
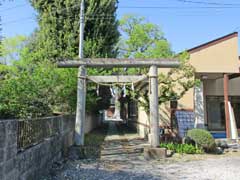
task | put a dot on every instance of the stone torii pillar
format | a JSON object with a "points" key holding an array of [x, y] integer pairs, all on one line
{"points": [[154, 108], [153, 64], [81, 104]]}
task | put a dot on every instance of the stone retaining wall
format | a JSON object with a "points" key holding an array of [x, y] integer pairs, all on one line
{"points": [[33, 162]]}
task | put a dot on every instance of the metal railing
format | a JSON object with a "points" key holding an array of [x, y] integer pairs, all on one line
{"points": [[34, 131]]}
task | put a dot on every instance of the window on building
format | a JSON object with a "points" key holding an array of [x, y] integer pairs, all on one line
{"points": [[216, 112]]}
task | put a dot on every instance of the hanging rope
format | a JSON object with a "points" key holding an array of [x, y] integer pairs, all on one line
{"points": [[117, 83], [97, 91], [124, 91], [132, 86], [112, 91]]}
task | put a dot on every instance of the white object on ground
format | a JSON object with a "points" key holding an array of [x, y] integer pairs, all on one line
{"points": [[232, 125]]}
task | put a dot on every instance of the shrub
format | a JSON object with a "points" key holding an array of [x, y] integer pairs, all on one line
{"points": [[30, 90], [202, 139], [181, 148]]}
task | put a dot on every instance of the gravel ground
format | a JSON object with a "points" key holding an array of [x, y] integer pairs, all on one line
{"points": [[122, 160], [223, 168]]}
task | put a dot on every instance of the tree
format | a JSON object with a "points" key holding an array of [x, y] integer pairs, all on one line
{"points": [[142, 39], [37, 87], [30, 90], [58, 34], [11, 48]]}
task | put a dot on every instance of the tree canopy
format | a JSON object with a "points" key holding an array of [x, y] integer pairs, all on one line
{"points": [[142, 39], [58, 33], [32, 86], [11, 48]]}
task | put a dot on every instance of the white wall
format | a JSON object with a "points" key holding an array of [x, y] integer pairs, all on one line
{"points": [[91, 122], [199, 106]]}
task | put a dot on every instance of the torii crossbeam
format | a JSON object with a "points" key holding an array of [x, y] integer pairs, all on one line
{"points": [[108, 63], [153, 64]]}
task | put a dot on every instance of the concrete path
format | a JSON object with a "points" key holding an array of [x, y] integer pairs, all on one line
{"points": [[119, 146], [121, 159], [112, 133], [116, 132]]}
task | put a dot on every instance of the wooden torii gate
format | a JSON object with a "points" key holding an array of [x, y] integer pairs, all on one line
{"points": [[152, 64]]}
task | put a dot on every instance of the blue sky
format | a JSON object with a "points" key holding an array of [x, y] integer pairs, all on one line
{"points": [[184, 25]]}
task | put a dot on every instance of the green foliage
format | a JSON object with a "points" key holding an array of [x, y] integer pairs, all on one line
{"points": [[35, 90], [93, 142], [38, 88], [11, 48], [58, 34], [33, 86], [182, 148], [142, 39], [203, 139], [3, 71]]}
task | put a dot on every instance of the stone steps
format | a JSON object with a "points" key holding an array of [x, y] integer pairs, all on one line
{"points": [[121, 151]]}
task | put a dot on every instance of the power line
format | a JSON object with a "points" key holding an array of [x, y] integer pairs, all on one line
{"points": [[89, 17], [236, 29], [179, 7], [208, 3], [216, 5], [109, 17], [56, 11], [94, 17], [22, 5], [14, 7], [18, 20], [33, 18]]}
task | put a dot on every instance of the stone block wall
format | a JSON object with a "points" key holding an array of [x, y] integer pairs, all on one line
{"points": [[34, 161], [8, 148]]}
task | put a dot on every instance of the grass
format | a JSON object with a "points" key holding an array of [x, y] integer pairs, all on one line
{"points": [[94, 141], [96, 137], [182, 148]]}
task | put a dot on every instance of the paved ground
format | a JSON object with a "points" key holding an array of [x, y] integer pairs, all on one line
{"points": [[121, 159]]}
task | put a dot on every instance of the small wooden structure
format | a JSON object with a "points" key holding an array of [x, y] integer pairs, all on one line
{"points": [[152, 64]]}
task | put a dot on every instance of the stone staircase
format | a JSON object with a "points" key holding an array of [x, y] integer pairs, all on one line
{"points": [[120, 146]]}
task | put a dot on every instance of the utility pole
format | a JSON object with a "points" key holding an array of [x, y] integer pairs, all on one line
{"points": [[81, 30], [81, 89]]}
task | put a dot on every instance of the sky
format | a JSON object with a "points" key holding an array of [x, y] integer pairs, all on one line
{"points": [[185, 23]]}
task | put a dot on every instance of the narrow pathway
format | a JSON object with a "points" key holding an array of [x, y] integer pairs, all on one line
{"points": [[122, 159], [120, 147], [113, 133]]}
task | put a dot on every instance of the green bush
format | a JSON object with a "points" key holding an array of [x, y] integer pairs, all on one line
{"points": [[30, 90], [181, 148], [202, 139]]}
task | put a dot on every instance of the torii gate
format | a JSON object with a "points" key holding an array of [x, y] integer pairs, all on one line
{"points": [[152, 64]]}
